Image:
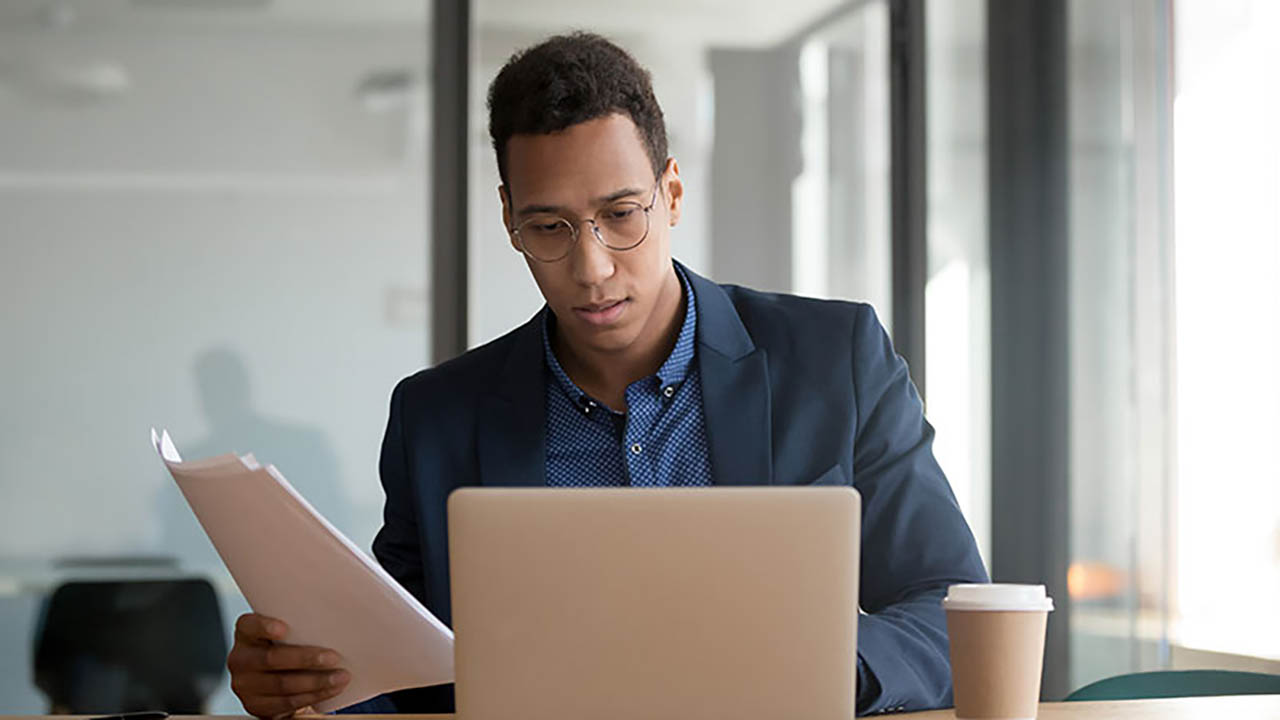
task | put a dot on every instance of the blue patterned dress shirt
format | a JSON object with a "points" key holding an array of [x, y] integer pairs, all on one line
{"points": [[661, 441]]}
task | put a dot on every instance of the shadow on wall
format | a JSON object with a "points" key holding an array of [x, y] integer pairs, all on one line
{"points": [[302, 453]]}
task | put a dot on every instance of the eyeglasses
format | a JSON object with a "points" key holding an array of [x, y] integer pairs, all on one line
{"points": [[620, 225]]}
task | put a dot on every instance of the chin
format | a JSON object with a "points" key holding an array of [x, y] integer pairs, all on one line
{"points": [[611, 339]]}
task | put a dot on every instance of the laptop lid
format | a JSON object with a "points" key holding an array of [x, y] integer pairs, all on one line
{"points": [[655, 603]]}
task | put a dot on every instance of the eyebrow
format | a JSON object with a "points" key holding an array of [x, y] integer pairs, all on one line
{"points": [[605, 200]]}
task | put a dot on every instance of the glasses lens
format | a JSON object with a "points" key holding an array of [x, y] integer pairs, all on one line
{"points": [[546, 237], [623, 224]]}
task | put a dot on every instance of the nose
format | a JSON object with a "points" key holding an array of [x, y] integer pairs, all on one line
{"points": [[591, 262]]}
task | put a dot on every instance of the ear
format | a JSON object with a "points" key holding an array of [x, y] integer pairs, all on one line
{"points": [[505, 198], [673, 191]]}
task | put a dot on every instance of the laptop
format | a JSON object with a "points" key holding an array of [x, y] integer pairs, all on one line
{"points": [[627, 603]]}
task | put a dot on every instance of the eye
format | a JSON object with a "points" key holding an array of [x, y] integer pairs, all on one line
{"points": [[546, 226], [621, 212]]}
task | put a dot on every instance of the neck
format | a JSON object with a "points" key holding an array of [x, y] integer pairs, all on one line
{"points": [[606, 375]]}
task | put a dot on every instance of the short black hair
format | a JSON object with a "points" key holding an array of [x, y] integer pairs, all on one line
{"points": [[570, 79]]}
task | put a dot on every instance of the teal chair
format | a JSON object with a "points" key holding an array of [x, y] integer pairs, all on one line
{"points": [[1178, 683]]}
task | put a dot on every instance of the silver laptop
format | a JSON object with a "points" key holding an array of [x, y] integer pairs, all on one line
{"points": [[655, 603]]}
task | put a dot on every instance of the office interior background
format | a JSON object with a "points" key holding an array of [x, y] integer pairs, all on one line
{"points": [[231, 218]]}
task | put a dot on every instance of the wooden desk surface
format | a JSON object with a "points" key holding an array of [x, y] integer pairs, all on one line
{"points": [[1242, 707]]}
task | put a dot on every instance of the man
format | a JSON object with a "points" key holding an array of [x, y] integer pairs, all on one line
{"points": [[639, 372]]}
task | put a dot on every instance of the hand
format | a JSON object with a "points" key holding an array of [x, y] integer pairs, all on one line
{"points": [[275, 680]]}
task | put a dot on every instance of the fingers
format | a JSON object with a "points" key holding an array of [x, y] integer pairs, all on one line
{"points": [[282, 707], [257, 648], [277, 658], [291, 684], [260, 628], [276, 696], [273, 679]]}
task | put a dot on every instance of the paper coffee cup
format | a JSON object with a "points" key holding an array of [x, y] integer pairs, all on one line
{"points": [[997, 649]]}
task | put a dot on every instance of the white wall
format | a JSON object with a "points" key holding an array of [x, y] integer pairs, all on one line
{"points": [[202, 227]]}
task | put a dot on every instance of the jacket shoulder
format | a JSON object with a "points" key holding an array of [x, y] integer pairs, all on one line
{"points": [[464, 376], [765, 313]]}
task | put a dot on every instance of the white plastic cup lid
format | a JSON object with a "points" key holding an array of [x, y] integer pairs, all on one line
{"points": [[997, 596]]}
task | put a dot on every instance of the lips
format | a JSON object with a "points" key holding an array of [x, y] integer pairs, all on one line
{"points": [[598, 307], [602, 313]]}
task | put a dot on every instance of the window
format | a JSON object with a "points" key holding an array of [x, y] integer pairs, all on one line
{"points": [[1226, 155], [1175, 262]]}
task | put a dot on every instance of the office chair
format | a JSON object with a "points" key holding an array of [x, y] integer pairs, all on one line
{"points": [[1178, 683], [126, 646]]}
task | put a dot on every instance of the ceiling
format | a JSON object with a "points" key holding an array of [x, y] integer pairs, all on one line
{"points": [[732, 23], [715, 22]]}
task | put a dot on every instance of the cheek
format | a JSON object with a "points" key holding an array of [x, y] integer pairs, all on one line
{"points": [[657, 255], [548, 280]]}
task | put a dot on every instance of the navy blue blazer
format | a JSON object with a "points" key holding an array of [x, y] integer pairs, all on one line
{"points": [[795, 392]]}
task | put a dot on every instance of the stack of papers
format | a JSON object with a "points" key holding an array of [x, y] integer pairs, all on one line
{"points": [[291, 564]]}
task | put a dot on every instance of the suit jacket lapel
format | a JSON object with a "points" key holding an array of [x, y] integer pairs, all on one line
{"points": [[735, 390], [512, 425]]}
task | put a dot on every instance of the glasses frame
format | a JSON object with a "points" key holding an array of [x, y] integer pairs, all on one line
{"points": [[595, 230]]}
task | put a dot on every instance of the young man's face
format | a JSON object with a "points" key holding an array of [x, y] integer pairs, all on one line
{"points": [[605, 300]]}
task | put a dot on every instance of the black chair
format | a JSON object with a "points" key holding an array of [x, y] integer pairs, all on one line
{"points": [[128, 646]]}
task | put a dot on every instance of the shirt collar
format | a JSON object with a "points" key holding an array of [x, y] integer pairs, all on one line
{"points": [[673, 370]]}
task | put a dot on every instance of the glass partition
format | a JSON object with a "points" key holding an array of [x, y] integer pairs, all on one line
{"points": [[213, 221]]}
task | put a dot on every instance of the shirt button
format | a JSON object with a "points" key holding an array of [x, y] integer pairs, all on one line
{"points": [[636, 449], [668, 391]]}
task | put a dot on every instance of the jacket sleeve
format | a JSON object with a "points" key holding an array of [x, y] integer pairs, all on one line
{"points": [[398, 548], [397, 545], [915, 542]]}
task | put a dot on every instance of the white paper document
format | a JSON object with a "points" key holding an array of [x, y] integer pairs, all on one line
{"points": [[291, 564]]}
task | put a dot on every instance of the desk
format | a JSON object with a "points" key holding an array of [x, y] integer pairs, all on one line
{"points": [[1240, 707]]}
